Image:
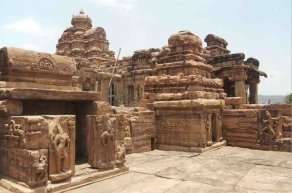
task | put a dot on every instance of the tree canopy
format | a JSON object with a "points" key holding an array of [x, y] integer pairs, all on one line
{"points": [[288, 98]]}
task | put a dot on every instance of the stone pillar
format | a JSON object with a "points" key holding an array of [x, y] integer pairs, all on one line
{"points": [[104, 89], [253, 91], [240, 89]]}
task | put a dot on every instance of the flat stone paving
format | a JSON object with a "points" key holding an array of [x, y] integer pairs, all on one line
{"points": [[228, 170]]}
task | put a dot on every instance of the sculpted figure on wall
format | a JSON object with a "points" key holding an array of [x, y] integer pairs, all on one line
{"points": [[271, 131], [107, 145], [219, 127], [60, 141], [41, 169], [13, 133], [208, 126]]}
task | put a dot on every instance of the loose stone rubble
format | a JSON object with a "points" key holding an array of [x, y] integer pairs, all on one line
{"points": [[71, 118]]}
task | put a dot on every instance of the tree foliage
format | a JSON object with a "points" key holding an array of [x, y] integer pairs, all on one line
{"points": [[288, 98]]}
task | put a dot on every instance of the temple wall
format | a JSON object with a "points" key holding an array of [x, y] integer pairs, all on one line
{"points": [[143, 131], [264, 127], [240, 127]]}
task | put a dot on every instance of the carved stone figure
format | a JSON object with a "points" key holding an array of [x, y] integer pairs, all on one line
{"points": [[271, 131], [61, 142], [219, 127], [268, 133], [208, 126], [107, 146], [41, 170], [13, 133]]}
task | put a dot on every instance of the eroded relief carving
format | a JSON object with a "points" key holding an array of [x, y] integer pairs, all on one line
{"points": [[101, 142], [44, 64], [41, 170], [219, 127], [13, 135], [271, 128], [60, 141], [120, 155], [107, 145], [208, 126]]}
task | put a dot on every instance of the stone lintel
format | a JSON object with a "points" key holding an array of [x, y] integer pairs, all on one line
{"points": [[47, 94]]}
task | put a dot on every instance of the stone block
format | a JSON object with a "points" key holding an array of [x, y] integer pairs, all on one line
{"points": [[28, 166], [140, 146], [10, 107], [233, 100], [26, 132], [230, 122], [286, 109]]}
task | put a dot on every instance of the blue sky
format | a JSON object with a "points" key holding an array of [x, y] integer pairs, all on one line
{"points": [[258, 28]]}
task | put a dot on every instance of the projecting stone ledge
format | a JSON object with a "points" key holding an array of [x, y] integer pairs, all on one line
{"points": [[48, 94], [190, 104]]}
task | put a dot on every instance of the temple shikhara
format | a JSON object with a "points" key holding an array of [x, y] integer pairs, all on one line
{"points": [[71, 117]]}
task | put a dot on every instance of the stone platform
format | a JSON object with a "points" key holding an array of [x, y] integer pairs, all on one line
{"points": [[229, 169], [84, 174]]}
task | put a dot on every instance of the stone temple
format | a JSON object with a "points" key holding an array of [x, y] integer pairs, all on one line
{"points": [[71, 117]]}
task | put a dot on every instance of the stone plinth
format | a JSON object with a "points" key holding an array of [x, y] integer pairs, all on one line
{"points": [[188, 125]]}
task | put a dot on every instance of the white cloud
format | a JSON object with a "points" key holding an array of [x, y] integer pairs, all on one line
{"points": [[26, 25], [29, 46], [124, 4]]}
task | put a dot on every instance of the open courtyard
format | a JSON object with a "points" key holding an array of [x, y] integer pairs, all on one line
{"points": [[229, 169]]}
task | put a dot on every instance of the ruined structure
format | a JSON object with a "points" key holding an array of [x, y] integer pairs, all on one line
{"points": [[70, 118], [44, 122], [238, 75]]}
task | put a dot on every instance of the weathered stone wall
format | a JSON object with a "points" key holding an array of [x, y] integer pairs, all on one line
{"points": [[265, 127], [240, 127], [143, 131]]}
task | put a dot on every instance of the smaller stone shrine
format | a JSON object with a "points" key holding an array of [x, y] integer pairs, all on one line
{"points": [[186, 101]]}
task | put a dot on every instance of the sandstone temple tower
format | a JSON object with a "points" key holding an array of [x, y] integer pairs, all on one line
{"points": [[87, 44]]}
